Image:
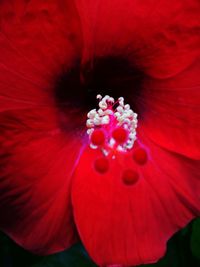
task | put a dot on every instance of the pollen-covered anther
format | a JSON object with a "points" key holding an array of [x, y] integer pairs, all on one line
{"points": [[118, 123]]}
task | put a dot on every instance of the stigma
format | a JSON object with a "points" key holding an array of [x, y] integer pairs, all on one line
{"points": [[112, 127]]}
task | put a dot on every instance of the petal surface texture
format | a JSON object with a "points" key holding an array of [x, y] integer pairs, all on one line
{"points": [[160, 37], [173, 107], [36, 39]]}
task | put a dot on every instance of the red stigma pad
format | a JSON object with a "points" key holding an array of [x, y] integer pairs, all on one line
{"points": [[98, 137], [120, 135], [140, 156], [130, 177], [101, 165]]}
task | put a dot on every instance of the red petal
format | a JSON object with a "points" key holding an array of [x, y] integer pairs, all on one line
{"points": [[36, 39], [130, 223], [172, 111], [36, 169], [161, 37]]}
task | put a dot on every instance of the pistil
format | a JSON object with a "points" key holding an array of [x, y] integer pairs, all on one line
{"points": [[112, 127]]}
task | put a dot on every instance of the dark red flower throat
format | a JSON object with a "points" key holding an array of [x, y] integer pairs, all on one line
{"points": [[76, 89], [114, 76]]}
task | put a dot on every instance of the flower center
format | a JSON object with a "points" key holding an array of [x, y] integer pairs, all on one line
{"points": [[112, 127]]}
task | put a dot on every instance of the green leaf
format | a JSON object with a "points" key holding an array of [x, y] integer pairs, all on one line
{"points": [[73, 257], [195, 238]]}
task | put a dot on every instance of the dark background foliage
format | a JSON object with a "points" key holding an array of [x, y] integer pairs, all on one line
{"points": [[183, 250]]}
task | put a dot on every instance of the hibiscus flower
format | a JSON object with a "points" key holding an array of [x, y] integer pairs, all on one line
{"points": [[59, 184]]}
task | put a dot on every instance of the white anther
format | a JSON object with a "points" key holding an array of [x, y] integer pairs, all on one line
{"points": [[120, 119], [103, 105], [105, 120], [106, 97], [90, 131], [128, 113], [108, 112], [132, 135], [93, 146], [89, 123], [97, 115], [101, 112], [131, 113], [111, 100], [120, 109], [126, 127], [97, 121], [129, 143], [105, 152], [129, 146], [121, 98], [120, 148], [99, 97], [127, 121], [91, 114], [134, 124], [127, 106], [112, 142], [117, 114]]}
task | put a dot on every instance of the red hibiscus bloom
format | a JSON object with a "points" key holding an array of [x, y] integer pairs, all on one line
{"points": [[56, 56]]}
